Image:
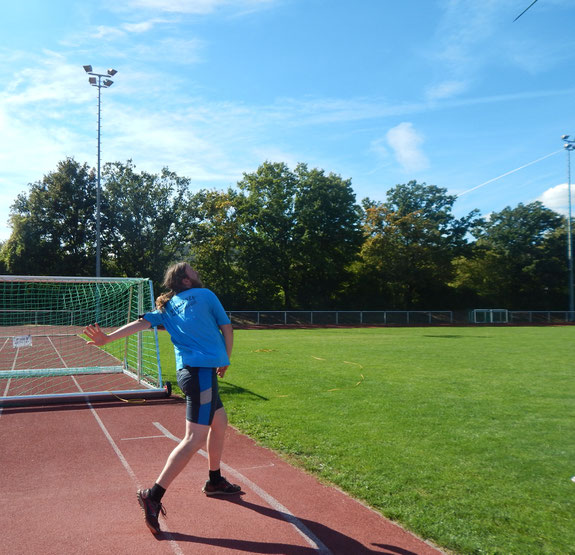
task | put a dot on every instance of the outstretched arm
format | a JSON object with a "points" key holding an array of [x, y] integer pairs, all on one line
{"points": [[98, 337]]}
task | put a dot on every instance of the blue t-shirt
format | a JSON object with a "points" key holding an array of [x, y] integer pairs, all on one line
{"points": [[192, 318]]}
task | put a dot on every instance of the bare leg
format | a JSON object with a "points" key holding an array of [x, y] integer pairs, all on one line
{"points": [[216, 437], [196, 435]]}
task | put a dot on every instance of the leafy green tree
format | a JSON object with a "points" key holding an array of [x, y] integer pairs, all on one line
{"points": [[3, 269], [298, 231], [410, 243], [53, 226], [265, 211], [518, 260], [328, 234], [214, 247], [146, 220]]}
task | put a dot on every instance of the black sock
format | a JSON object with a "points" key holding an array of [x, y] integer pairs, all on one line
{"points": [[156, 493], [215, 476]]}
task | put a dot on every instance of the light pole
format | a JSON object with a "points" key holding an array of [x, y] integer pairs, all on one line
{"points": [[569, 145], [96, 81]]}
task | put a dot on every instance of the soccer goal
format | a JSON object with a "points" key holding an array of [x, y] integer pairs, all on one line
{"points": [[489, 316], [44, 357]]}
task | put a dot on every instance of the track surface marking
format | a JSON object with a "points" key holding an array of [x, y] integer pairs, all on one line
{"points": [[309, 536], [70, 474]]}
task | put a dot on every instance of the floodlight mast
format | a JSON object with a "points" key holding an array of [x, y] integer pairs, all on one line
{"points": [[96, 81], [569, 145]]}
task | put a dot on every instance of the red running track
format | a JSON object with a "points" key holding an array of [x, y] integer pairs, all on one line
{"points": [[69, 476]]}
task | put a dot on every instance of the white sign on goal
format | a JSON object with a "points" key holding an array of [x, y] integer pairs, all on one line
{"points": [[20, 341]]}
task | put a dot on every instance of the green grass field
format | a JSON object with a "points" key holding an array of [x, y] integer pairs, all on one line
{"points": [[465, 436]]}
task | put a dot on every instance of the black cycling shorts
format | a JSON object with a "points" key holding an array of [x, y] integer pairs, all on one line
{"points": [[200, 386]]}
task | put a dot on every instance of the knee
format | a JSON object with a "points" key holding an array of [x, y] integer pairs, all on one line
{"points": [[220, 420], [195, 438]]}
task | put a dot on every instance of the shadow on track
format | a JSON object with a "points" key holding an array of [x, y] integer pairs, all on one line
{"points": [[336, 542]]}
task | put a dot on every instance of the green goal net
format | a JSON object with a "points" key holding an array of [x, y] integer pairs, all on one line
{"points": [[44, 356]]}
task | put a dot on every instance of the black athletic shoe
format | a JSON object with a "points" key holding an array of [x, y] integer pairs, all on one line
{"points": [[223, 487], [152, 510]]}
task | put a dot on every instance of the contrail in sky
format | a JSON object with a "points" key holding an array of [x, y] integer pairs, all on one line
{"points": [[508, 173]]}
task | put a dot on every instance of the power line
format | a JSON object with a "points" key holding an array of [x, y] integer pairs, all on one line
{"points": [[524, 11]]}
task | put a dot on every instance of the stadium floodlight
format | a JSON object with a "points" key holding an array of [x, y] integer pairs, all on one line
{"points": [[569, 145], [96, 81]]}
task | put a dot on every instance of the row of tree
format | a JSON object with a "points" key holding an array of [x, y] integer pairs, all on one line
{"points": [[292, 239]]}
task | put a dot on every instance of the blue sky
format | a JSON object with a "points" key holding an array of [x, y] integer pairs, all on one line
{"points": [[452, 93]]}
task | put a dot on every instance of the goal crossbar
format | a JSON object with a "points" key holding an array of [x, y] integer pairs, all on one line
{"points": [[44, 372], [60, 398]]}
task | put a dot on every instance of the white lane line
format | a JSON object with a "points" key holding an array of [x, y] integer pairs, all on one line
{"points": [[4, 344], [15, 358], [257, 467], [57, 352], [9, 379], [5, 392], [114, 445], [175, 547], [312, 540], [142, 437]]}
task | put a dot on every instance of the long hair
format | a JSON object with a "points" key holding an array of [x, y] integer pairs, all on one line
{"points": [[173, 281]]}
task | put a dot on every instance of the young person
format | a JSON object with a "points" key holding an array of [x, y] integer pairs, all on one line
{"points": [[203, 339]]}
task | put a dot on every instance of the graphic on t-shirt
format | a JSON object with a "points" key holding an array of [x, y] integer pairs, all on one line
{"points": [[190, 307], [181, 307]]}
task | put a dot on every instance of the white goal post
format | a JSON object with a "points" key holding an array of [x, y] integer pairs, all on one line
{"points": [[489, 316]]}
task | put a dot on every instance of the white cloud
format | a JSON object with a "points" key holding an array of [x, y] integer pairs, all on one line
{"points": [[532, 57], [196, 7], [556, 198], [378, 147], [141, 27], [446, 89], [48, 80], [105, 31], [181, 51], [179, 6], [275, 154], [405, 142], [464, 26]]}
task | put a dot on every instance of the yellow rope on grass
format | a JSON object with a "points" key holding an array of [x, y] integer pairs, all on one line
{"points": [[319, 358], [346, 362]]}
